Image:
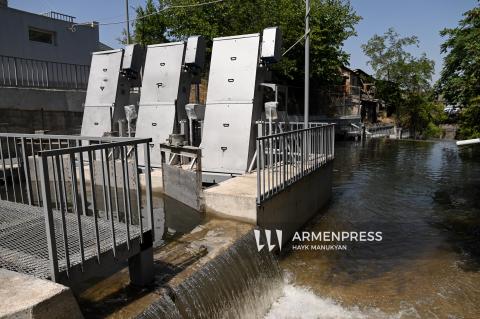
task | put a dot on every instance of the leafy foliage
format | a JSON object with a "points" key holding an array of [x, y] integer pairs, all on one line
{"points": [[151, 29], [403, 82], [332, 22], [393, 63], [470, 120], [460, 78], [422, 114]]}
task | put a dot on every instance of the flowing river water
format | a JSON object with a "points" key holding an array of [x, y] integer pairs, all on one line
{"points": [[425, 199]]}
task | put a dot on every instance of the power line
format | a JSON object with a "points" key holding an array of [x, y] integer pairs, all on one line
{"points": [[148, 15], [291, 47]]}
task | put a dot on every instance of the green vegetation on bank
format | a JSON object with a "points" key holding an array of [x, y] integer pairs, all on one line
{"points": [[459, 83], [403, 82]]}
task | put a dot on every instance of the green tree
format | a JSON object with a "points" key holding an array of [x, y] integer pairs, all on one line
{"points": [[151, 28], [459, 82], [332, 22], [422, 114], [393, 63], [403, 81]]}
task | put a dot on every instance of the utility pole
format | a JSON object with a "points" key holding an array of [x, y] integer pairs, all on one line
{"points": [[307, 63], [128, 22]]}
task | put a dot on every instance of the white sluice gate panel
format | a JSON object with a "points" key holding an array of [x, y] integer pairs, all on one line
{"points": [[161, 78], [157, 122], [226, 140], [227, 131], [103, 79], [98, 119], [233, 69], [160, 90]]}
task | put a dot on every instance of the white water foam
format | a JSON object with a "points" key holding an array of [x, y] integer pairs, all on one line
{"points": [[301, 302]]}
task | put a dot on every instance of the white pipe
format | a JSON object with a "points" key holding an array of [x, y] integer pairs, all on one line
{"points": [[468, 142]]}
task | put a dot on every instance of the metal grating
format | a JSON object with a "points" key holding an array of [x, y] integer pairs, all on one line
{"points": [[23, 241]]}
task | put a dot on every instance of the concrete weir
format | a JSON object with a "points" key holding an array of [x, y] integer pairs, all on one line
{"points": [[174, 263]]}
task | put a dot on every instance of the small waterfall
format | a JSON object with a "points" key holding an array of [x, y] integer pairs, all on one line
{"points": [[240, 283]]}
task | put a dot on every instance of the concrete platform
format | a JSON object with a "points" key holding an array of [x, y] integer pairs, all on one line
{"points": [[233, 198], [288, 210], [23, 296]]}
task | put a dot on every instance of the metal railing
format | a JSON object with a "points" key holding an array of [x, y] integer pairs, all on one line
{"points": [[266, 128], [59, 16], [20, 72], [19, 163], [285, 158], [91, 195], [383, 130]]}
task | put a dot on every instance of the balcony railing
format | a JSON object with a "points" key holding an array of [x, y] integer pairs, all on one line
{"points": [[20, 72], [59, 16]]}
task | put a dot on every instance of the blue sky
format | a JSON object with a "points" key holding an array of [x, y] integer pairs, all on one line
{"points": [[424, 18]]}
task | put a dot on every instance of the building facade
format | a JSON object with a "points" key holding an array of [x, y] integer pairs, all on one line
{"points": [[44, 68], [48, 37]]}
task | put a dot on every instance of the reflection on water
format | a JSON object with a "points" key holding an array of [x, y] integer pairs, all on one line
{"points": [[424, 197]]}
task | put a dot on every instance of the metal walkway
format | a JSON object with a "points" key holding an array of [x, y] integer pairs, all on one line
{"points": [[23, 239]]}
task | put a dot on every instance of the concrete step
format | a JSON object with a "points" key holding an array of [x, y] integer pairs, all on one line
{"points": [[23, 296]]}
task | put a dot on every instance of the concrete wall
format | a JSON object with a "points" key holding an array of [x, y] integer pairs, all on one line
{"points": [[26, 110], [291, 209], [70, 47]]}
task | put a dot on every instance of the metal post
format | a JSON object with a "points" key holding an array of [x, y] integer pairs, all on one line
{"points": [[26, 165], [307, 62], [128, 22], [258, 172], [15, 70], [148, 190], [49, 223], [190, 129]]}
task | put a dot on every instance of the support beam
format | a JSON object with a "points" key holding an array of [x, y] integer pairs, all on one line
{"points": [[307, 63]]}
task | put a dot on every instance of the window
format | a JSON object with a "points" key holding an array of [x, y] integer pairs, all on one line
{"points": [[43, 36]]}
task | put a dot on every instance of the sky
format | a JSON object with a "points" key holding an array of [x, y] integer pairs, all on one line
{"points": [[423, 18]]}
